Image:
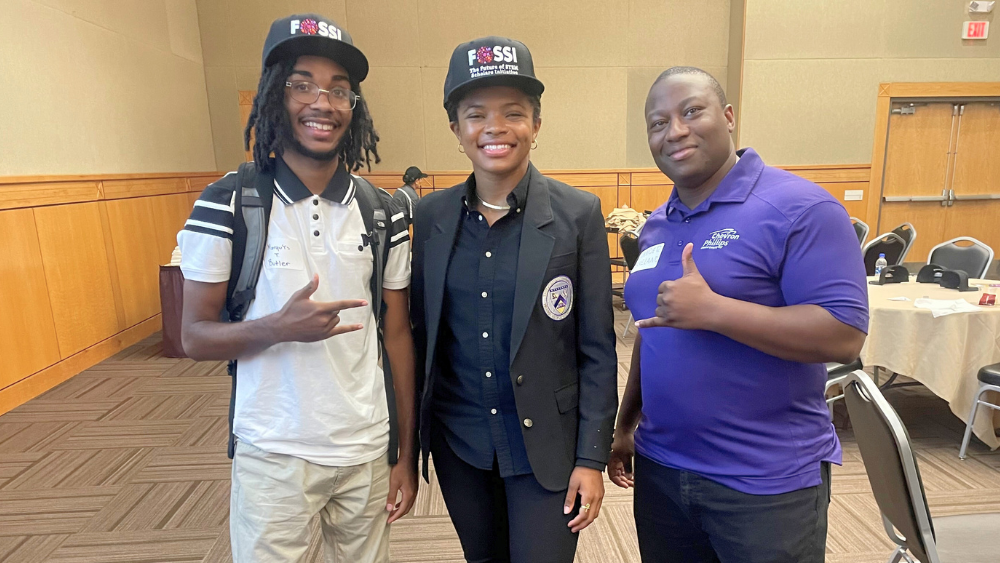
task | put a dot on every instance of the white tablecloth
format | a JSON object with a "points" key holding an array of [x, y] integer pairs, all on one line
{"points": [[943, 353]]}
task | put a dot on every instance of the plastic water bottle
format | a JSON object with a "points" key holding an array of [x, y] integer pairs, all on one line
{"points": [[880, 264]]}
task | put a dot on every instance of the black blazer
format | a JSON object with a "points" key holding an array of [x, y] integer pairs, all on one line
{"points": [[564, 372]]}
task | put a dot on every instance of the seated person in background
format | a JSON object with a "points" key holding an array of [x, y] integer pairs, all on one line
{"points": [[750, 278]]}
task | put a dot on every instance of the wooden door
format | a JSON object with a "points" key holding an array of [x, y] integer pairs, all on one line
{"points": [[917, 172], [975, 211]]}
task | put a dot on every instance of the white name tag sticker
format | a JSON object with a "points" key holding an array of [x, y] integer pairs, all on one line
{"points": [[284, 254], [649, 258]]}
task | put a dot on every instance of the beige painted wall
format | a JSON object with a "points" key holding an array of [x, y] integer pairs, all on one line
{"points": [[102, 86], [812, 69], [597, 59]]}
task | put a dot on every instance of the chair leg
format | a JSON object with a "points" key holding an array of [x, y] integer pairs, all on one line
{"points": [[972, 419], [627, 325], [897, 555], [831, 401]]}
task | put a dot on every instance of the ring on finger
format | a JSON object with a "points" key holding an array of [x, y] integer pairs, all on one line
{"points": [[585, 507]]}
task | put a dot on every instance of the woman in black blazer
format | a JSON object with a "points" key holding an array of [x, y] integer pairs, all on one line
{"points": [[511, 306]]}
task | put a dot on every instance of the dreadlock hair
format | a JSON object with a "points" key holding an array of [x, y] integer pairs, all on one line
{"points": [[270, 125]]}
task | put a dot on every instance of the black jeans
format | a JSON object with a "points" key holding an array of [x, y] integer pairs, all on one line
{"points": [[685, 518], [503, 520]]}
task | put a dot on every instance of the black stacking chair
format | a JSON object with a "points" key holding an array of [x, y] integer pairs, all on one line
{"points": [[895, 480], [989, 380], [974, 259], [861, 229], [891, 244], [908, 233], [836, 373]]}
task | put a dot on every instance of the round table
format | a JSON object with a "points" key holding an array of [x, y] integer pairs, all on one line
{"points": [[944, 353]]}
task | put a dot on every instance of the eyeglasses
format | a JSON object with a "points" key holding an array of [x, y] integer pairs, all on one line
{"points": [[306, 92]]}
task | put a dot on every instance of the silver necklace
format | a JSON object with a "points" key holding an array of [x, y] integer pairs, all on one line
{"points": [[493, 207]]}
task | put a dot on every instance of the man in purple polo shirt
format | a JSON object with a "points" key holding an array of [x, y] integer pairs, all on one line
{"points": [[750, 278]]}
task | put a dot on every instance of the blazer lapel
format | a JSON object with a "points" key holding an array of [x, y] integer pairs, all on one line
{"points": [[437, 254], [533, 257]]}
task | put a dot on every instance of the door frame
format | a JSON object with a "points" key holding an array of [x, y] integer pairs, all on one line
{"points": [[891, 91]]}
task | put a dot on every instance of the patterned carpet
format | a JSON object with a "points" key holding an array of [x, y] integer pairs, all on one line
{"points": [[126, 462]]}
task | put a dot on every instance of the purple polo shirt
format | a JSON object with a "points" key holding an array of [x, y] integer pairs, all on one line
{"points": [[713, 406]]}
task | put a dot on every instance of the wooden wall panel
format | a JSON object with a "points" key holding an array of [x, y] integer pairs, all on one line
{"points": [[137, 246], [609, 200], [77, 274], [198, 183], [649, 178], [856, 208], [385, 181], [624, 196], [832, 172], [583, 178], [27, 332], [41, 381], [117, 189], [648, 198], [449, 179], [169, 212], [55, 309], [32, 194]]}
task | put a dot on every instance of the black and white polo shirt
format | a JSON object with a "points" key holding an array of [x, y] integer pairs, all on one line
{"points": [[322, 401]]}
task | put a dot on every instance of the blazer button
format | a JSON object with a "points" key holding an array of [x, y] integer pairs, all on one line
{"points": [[520, 379], [528, 423]]}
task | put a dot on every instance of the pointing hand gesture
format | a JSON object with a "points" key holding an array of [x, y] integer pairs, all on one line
{"points": [[686, 302], [305, 320]]}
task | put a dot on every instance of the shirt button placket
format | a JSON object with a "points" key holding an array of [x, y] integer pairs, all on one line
{"points": [[315, 225]]}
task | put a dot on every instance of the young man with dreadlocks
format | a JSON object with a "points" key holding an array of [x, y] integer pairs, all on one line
{"points": [[319, 428]]}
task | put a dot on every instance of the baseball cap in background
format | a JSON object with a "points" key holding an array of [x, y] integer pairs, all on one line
{"points": [[491, 61], [413, 174], [310, 34]]}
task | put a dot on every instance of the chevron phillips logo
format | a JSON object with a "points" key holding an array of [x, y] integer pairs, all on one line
{"points": [[312, 27], [486, 61], [720, 239]]}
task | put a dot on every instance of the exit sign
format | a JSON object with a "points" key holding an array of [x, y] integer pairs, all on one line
{"points": [[975, 30]]}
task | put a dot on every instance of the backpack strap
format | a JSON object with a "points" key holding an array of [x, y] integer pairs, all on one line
{"points": [[251, 213], [373, 206]]}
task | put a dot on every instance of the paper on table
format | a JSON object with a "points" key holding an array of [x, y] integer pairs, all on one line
{"points": [[941, 307], [900, 298]]}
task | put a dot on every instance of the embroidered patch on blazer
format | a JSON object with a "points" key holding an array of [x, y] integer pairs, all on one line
{"points": [[557, 298]]}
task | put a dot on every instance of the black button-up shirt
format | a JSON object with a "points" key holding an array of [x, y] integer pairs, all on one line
{"points": [[474, 398]]}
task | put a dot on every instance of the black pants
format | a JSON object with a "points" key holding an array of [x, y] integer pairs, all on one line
{"points": [[685, 518], [503, 520]]}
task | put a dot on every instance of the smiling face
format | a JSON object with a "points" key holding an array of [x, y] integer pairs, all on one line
{"points": [[689, 131], [317, 129], [496, 126]]}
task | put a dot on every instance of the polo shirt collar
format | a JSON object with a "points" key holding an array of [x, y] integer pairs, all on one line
{"points": [[734, 188], [290, 189], [515, 199]]}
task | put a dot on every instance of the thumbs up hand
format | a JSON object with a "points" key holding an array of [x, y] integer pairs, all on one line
{"points": [[686, 302]]}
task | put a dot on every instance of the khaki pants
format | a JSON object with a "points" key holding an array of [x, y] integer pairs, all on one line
{"points": [[274, 496]]}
